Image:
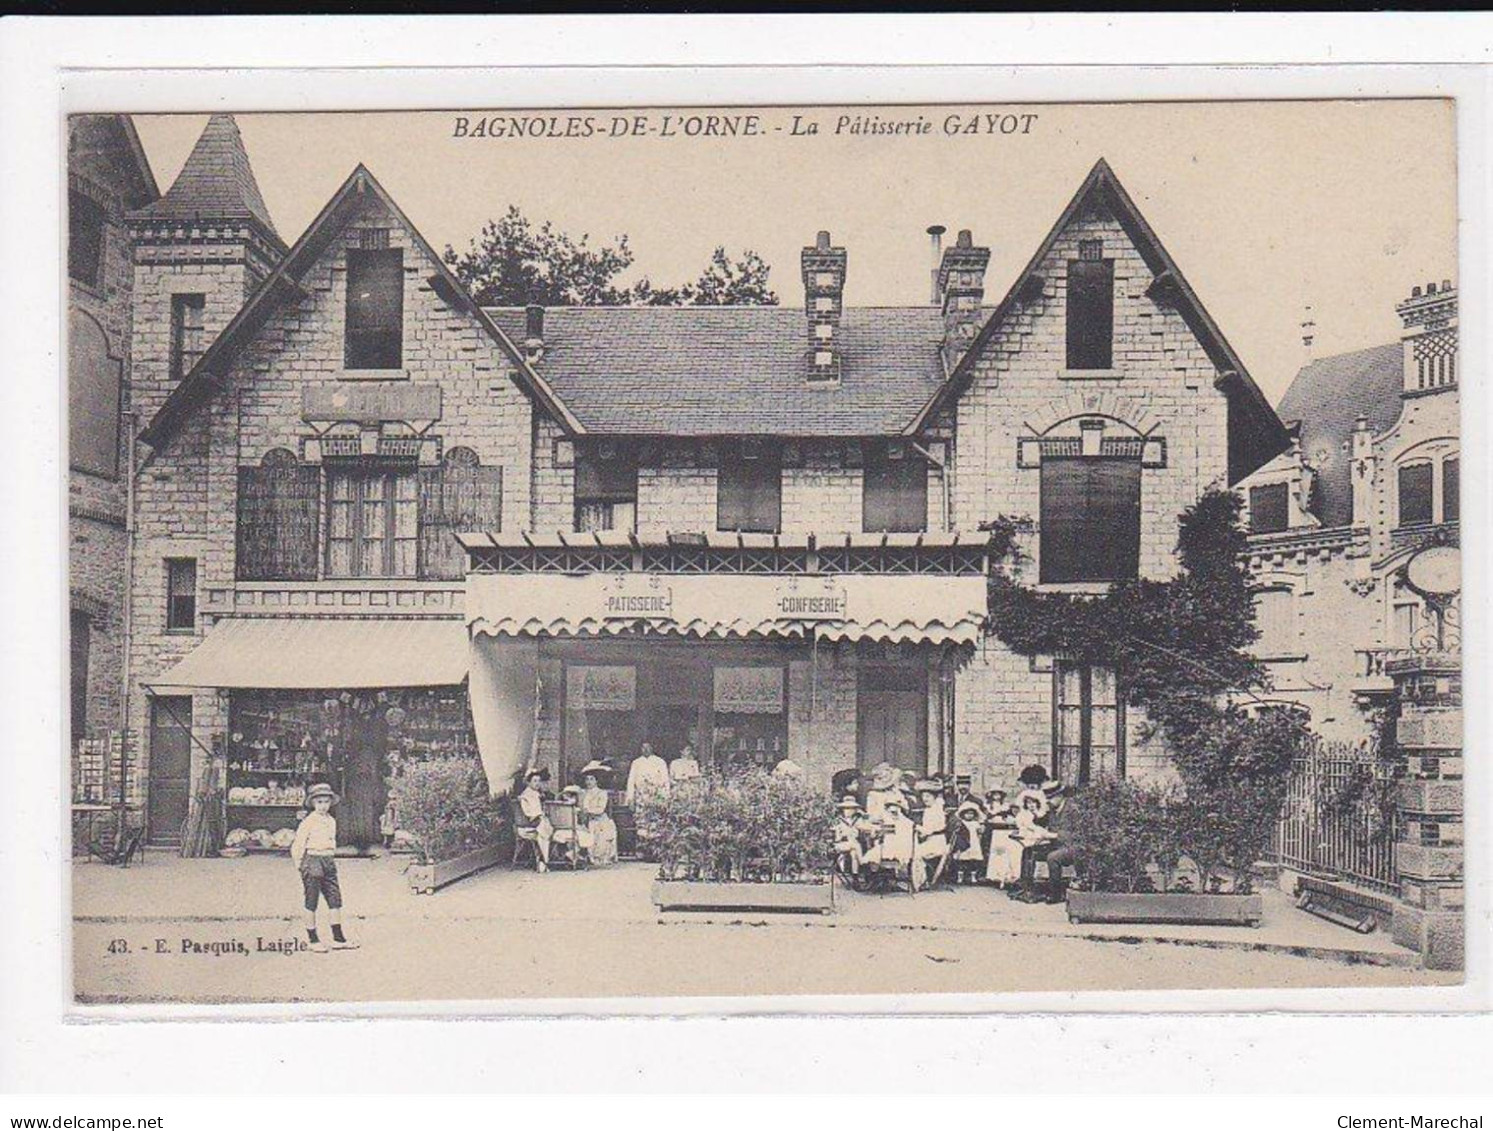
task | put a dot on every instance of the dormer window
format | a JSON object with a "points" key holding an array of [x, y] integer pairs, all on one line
{"points": [[1091, 308], [1269, 508], [375, 309]]}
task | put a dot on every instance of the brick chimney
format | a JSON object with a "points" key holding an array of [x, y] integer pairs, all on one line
{"points": [[534, 332], [1429, 337], [961, 290], [824, 301]]}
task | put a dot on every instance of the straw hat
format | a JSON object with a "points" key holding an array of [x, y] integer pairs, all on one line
{"points": [[928, 785], [321, 789], [595, 767], [849, 805], [883, 776]]}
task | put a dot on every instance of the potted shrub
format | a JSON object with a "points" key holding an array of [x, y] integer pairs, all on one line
{"points": [[458, 827], [748, 841], [1150, 855]]}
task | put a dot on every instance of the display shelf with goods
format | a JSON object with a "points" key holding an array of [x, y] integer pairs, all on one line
{"points": [[280, 743]]}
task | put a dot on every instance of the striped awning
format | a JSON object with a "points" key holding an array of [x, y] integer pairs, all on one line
{"points": [[901, 609], [281, 653]]}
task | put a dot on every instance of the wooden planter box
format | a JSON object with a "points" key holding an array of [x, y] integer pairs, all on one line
{"points": [[1165, 907], [702, 895], [426, 878]]}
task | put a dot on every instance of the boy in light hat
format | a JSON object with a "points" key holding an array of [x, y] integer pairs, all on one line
{"points": [[850, 824], [314, 853]]}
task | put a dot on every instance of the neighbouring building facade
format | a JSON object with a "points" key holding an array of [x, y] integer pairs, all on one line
{"points": [[108, 177], [1371, 477], [375, 521]]}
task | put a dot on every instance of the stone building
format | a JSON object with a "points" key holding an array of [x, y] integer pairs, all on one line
{"points": [[754, 530], [108, 176], [1371, 476]]}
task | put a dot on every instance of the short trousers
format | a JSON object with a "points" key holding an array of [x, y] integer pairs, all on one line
{"points": [[319, 878]]}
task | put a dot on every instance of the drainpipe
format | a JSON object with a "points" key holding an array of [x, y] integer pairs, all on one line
{"points": [[943, 477], [131, 419]]}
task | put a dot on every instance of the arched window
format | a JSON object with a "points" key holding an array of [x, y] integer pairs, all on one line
{"points": [[93, 379]]}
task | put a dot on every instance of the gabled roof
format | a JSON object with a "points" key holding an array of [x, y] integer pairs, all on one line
{"points": [[1327, 398], [1260, 429], [216, 183], [735, 370], [283, 284]]}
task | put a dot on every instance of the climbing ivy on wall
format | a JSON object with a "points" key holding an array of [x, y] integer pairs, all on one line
{"points": [[1179, 648]]}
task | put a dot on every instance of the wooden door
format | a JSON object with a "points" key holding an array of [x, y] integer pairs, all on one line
{"points": [[170, 779], [892, 718]]}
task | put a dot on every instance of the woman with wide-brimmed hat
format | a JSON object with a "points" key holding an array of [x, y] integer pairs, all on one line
{"points": [[597, 829], [531, 823]]}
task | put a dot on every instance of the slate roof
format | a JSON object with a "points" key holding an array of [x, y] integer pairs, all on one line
{"points": [[709, 370], [216, 183], [1327, 397]]}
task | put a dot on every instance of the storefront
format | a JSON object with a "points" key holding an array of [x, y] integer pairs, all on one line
{"points": [[337, 701], [745, 663]]}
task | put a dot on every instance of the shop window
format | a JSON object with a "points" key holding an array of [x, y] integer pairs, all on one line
{"points": [[85, 239], [1090, 519], [1415, 494], [375, 309], [1269, 509], [894, 497], [279, 509], [750, 715], [80, 640], [1091, 308], [187, 313], [459, 495], [749, 490], [93, 398], [1275, 617], [1451, 489], [372, 519], [606, 489], [1088, 727], [181, 594]]}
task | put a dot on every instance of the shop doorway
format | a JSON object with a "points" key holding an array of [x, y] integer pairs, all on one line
{"points": [[170, 774], [891, 714], [365, 792], [667, 728]]}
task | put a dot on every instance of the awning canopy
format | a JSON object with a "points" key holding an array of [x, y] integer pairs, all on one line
{"points": [[284, 653], [902, 609]]}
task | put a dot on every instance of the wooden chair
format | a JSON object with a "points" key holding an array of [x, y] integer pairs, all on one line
{"points": [[131, 845], [523, 837], [564, 819]]}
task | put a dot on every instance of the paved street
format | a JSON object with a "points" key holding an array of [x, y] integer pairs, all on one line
{"points": [[210, 930]]}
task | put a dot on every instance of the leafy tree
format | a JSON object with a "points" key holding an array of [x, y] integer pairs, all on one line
{"points": [[513, 262]]}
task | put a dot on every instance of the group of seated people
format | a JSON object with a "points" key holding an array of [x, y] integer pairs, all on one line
{"points": [[576, 823], [936, 829]]}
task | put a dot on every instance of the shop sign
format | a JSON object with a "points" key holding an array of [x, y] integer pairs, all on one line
{"points": [[601, 687], [799, 602], [370, 404], [636, 595], [749, 691]]}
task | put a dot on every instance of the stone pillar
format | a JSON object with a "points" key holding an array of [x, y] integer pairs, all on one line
{"points": [[1428, 850]]}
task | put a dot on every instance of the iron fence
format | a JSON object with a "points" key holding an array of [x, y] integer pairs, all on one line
{"points": [[1339, 818]]}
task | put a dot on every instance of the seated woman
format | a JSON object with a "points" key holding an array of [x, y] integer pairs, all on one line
{"points": [[530, 822], [933, 832], [597, 830]]}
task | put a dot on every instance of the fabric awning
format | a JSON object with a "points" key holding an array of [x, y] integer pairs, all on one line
{"points": [[913, 608], [330, 654]]}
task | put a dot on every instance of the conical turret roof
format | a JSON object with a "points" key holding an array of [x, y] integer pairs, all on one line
{"points": [[216, 183]]}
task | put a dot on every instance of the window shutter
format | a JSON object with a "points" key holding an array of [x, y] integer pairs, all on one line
{"points": [[279, 509], [895, 494], [749, 494], [1091, 313], [1112, 531], [1451, 488], [1269, 511], [1090, 519], [461, 495], [1415, 494]]}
